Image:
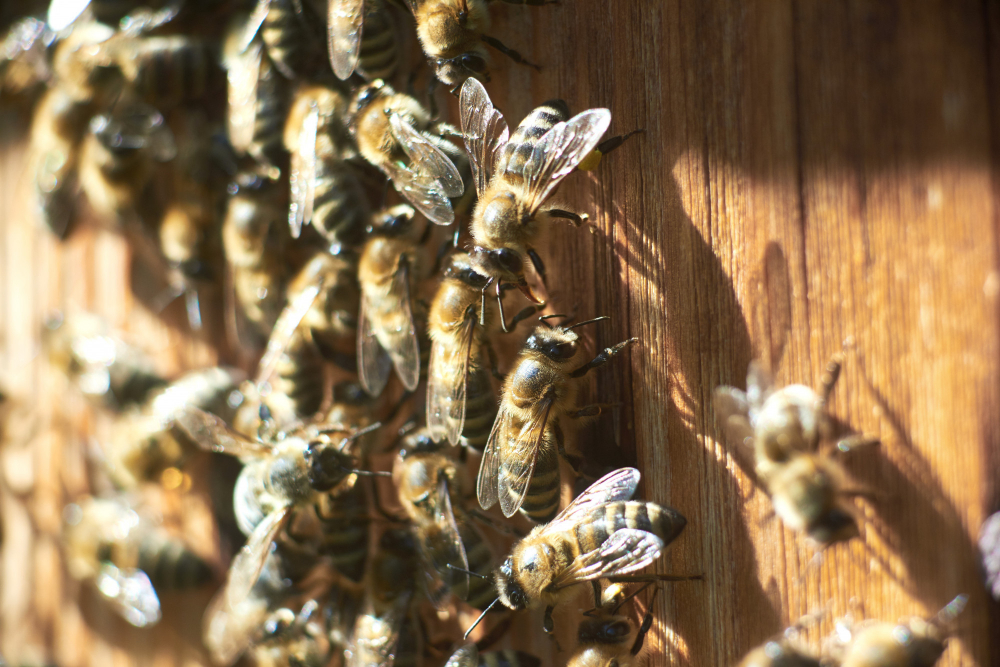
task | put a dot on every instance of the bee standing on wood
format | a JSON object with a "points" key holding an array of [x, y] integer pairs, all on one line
{"points": [[786, 427], [392, 263], [520, 465], [397, 135], [600, 535]]}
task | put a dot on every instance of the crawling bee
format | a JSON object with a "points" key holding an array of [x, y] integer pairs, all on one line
{"points": [[397, 135], [391, 265], [427, 482], [600, 535], [607, 639], [386, 634], [127, 557], [290, 33], [361, 38], [913, 642], [514, 177], [520, 465], [325, 191], [786, 427], [105, 368], [783, 651], [468, 655]]}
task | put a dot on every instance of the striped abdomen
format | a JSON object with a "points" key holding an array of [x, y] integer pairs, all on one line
{"points": [[300, 375], [290, 41], [481, 591], [379, 56], [168, 563], [340, 207], [345, 531], [526, 136], [508, 658], [541, 502], [480, 408], [172, 70], [267, 144], [664, 522]]}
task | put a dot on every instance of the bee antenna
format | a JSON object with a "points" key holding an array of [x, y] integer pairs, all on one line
{"points": [[596, 319], [367, 473], [478, 620], [357, 434], [469, 572], [952, 610]]}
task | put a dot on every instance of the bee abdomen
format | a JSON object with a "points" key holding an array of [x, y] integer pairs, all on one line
{"points": [[508, 658], [170, 565], [340, 210], [172, 70], [293, 47], [480, 408], [664, 522], [379, 55], [345, 532], [301, 376], [532, 128], [541, 502], [269, 122], [481, 591]]}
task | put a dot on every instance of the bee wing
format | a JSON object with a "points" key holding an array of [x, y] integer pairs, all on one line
{"points": [[426, 158], [731, 410], [373, 363], [484, 130], [625, 551], [131, 593], [616, 485], [467, 655], [454, 548], [377, 646], [406, 355], [285, 327], [446, 389], [249, 562], [344, 21], [302, 177], [559, 152], [423, 191], [487, 487], [513, 486], [228, 631], [243, 74], [212, 433], [254, 23]]}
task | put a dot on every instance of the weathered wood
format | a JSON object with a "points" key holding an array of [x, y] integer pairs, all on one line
{"points": [[809, 172]]}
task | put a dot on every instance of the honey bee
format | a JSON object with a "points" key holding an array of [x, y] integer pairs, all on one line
{"points": [[104, 368], [165, 72], [386, 634], [117, 158], [253, 237], [514, 177], [606, 638], [600, 535], [127, 557], [783, 651], [520, 466], [325, 191], [468, 655], [288, 29], [292, 640], [57, 129], [144, 444], [427, 483], [786, 427], [361, 38], [913, 642], [306, 471], [390, 267], [396, 134]]}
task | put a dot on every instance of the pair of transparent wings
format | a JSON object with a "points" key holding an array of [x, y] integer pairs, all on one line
{"points": [[556, 155], [130, 593], [518, 449], [376, 362], [623, 552], [442, 550], [447, 375]]}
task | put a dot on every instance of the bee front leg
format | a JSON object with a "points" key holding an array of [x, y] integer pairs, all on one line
{"points": [[509, 52], [592, 410], [856, 441], [576, 218], [549, 626], [830, 376], [602, 358], [539, 265]]}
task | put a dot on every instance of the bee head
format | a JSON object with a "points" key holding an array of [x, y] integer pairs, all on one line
{"points": [[328, 466], [510, 591], [460, 268], [368, 94], [837, 525], [558, 343], [395, 221], [454, 71], [419, 442], [614, 630]]}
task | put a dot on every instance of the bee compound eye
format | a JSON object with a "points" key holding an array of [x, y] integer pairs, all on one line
{"points": [[508, 260], [473, 62]]}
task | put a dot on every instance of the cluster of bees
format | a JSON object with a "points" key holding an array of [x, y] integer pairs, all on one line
{"points": [[248, 147]]}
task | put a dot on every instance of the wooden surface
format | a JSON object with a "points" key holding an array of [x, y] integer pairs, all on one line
{"points": [[809, 172]]}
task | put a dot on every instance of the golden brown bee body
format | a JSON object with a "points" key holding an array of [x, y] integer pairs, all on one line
{"points": [[386, 632], [253, 237], [450, 32], [600, 535], [520, 466], [325, 190], [332, 318], [779, 653], [511, 184], [104, 367], [362, 38], [607, 638], [786, 427], [396, 134], [460, 397], [166, 71], [128, 557], [293, 42], [391, 265]]}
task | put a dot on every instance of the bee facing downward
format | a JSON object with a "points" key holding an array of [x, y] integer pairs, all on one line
{"points": [[786, 427], [520, 465], [608, 639]]}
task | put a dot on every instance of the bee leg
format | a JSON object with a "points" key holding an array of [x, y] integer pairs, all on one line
{"points": [[539, 265], [596, 585], [549, 626], [592, 410], [830, 376], [576, 218], [856, 441], [611, 144], [647, 623], [602, 358], [509, 52], [525, 313]]}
